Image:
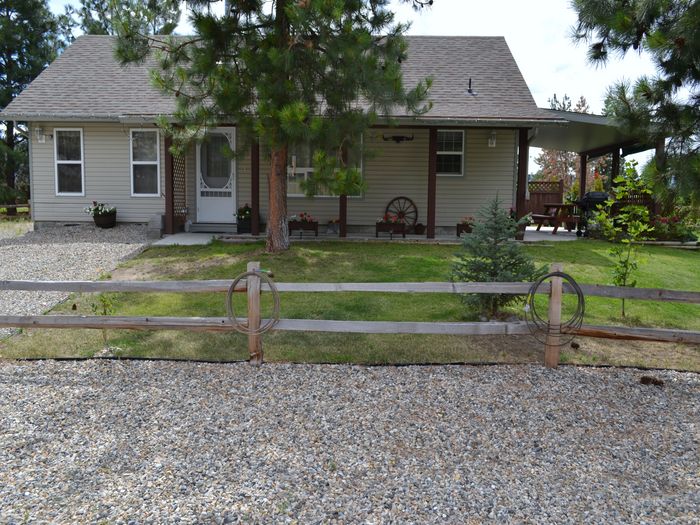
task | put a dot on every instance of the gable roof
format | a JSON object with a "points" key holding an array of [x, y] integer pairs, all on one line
{"points": [[87, 83]]}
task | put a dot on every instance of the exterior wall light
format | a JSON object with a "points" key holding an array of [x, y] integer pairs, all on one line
{"points": [[492, 140]]}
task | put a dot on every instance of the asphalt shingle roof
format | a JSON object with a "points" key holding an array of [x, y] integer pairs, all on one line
{"points": [[87, 82]]}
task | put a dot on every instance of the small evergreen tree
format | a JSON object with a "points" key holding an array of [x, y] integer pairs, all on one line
{"points": [[490, 254]]}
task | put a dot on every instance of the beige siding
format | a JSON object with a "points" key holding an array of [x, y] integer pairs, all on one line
{"points": [[107, 175], [489, 172], [393, 170]]}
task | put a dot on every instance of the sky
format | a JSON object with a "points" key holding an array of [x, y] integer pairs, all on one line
{"points": [[538, 34]]}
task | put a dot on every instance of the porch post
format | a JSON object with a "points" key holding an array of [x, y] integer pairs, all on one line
{"points": [[432, 180], [169, 188], [343, 202], [255, 188], [343, 215], [615, 165], [521, 186], [583, 169]]}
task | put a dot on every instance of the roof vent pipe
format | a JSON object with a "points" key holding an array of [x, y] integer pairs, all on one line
{"points": [[469, 89]]}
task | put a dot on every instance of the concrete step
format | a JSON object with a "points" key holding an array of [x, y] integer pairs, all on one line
{"points": [[212, 227]]}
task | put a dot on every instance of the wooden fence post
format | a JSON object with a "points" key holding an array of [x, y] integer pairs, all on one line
{"points": [[254, 340], [551, 348]]}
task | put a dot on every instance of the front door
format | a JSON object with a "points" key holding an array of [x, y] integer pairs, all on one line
{"points": [[216, 177]]}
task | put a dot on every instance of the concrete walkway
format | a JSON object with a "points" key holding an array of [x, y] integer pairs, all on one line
{"points": [[185, 239], [199, 239]]}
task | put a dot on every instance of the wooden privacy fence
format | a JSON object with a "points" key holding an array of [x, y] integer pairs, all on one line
{"points": [[253, 288]]}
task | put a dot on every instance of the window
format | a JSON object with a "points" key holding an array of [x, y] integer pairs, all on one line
{"points": [[68, 151], [450, 153], [300, 168], [145, 163]]}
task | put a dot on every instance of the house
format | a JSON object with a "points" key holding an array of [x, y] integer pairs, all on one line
{"points": [[93, 137]]}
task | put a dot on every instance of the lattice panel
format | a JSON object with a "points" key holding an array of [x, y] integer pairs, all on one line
{"points": [[179, 189], [541, 186]]}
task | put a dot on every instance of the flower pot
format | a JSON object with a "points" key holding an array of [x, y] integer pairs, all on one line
{"points": [[463, 228], [105, 220], [302, 226], [419, 229], [243, 225], [391, 228]]}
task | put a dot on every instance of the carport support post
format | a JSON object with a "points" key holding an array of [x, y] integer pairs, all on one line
{"points": [[551, 347], [583, 171], [254, 340]]}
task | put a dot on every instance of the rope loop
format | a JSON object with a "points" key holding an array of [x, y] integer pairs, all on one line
{"points": [[241, 324], [541, 327]]}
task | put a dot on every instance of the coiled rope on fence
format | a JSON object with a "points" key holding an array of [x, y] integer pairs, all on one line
{"points": [[241, 325], [540, 327]]}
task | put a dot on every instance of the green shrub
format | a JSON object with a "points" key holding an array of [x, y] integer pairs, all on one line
{"points": [[490, 254]]}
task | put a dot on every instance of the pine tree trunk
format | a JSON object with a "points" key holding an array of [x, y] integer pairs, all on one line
{"points": [[10, 164], [277, 231]]}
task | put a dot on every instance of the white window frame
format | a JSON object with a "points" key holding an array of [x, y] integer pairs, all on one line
{"points": [[133, 162], [461, 154], [306, 170], [56, 131]]}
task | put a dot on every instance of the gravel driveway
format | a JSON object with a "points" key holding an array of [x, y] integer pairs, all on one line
{"points": [[61, 253], [164, 442]]}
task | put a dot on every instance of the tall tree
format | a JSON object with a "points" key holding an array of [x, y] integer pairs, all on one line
{"points": [[660, 106], [30, 37], [154, 17], [286, 72]]}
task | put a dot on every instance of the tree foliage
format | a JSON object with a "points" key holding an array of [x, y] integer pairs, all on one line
{"points": [[625, 224], [30, 37], [490, 254], [660, 106], [155, 17], [287, 73]]}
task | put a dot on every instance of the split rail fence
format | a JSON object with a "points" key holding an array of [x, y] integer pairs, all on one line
{"points": [[254, 287]]}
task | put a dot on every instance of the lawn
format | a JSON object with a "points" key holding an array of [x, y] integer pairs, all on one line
{"points": [[586, 261]]}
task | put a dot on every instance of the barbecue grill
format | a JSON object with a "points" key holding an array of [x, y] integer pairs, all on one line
{"points": [[587, 205]]}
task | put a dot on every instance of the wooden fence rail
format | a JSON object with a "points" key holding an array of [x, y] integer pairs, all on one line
{"points": [[592, 290], [224, 324]]}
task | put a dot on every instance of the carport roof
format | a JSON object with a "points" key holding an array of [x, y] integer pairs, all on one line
{"points": [[593, 135]]}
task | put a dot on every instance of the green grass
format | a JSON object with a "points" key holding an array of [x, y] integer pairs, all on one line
{"points": [[586, 261]]}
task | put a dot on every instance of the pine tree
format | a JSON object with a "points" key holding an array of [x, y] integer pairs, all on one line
{"points": [[489, 254], [30, 37], [307, 71], [154, 17], [665, 105]]}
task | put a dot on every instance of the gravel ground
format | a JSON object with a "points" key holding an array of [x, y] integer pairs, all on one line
{"points": [[164, 442], [60, 253]]}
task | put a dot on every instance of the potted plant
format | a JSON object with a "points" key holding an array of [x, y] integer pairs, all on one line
{"points": [[390, 223], [104, 215], [302, 222], [465, 225], [419, 228], [333, 226], [243, 219]]}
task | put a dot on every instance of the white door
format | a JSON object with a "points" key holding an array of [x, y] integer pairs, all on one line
{"points": [[216, 177]]}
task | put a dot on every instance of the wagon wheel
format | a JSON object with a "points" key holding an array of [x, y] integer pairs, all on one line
{"points": [[405, 210]]}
